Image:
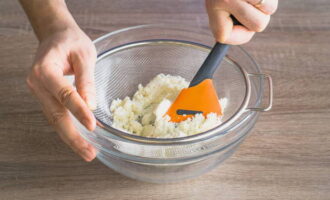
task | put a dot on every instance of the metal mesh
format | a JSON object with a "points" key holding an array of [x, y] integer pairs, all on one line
{"points": [[119, 71]]}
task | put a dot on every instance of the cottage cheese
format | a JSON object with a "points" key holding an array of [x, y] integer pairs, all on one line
{"points": [[143, 114]]}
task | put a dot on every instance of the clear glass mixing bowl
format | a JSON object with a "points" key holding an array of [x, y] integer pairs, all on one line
{"points": [[135, 55]]}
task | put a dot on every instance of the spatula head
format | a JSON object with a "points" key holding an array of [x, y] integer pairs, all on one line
{"points": [[201, 98]]}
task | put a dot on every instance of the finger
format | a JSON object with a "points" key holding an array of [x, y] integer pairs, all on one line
{"points": [[249, 16], [61, 121], [64, 92], [58, 117], [239, 35], [220, 23], [222, 27], [83, 65], [68, 133], [267, 6]]}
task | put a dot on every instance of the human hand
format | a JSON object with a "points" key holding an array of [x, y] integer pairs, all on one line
{"points": [[64, 52], [253, 14]]}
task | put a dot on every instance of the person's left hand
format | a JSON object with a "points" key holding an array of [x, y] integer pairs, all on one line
{"points": [[66, 51]]}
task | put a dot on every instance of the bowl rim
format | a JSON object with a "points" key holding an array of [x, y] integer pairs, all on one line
{"points": [[218, 130]]}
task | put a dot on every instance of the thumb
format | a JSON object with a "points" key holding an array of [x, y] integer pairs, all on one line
{"points": [[221, 24], [83, 66]]}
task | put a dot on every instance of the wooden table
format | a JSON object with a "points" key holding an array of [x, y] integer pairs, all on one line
{"points": [[286, 157]]}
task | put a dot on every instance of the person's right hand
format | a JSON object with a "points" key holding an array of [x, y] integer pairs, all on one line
{"points": [[254, 16], [63, 52]]}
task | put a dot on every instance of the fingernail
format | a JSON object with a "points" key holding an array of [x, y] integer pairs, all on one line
{"points": [[87, 123], [91, 103], [88, 155]]}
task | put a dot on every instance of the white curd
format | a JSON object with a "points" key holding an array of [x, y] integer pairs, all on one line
{"points": [[143, 114]]}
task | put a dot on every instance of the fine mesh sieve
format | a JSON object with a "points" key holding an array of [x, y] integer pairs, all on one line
{"points": [[119, 71]]}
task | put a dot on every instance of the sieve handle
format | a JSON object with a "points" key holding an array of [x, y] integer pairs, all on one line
{"points": [[270, 96], [212, 61]]}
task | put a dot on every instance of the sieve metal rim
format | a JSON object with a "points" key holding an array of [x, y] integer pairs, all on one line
{"points": [[181, 140]]}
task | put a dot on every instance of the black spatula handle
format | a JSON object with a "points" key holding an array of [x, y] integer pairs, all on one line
{"points": [[210, 64], [212, 61]]}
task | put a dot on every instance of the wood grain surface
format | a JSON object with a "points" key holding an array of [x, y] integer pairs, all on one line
{"points": [[286, 157]]}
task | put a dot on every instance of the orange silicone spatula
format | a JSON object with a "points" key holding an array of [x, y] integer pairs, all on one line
{"points": [[201, 96]]}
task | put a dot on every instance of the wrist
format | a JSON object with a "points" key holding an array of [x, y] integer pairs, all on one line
{"points": [[58, 21], [48, 17], [56, 26]]}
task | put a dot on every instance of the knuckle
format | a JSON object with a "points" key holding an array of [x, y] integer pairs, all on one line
{"points": [[36, 71], [77, 114], [29, 82], [92, 51], [55, 117], [268, 12], [83, 52], [45, 71], [75, 143], [219, 35], [41, 72], [88, 86], [260, 26], [271, 10], [87, 89], [65, 94], [87, 53]]}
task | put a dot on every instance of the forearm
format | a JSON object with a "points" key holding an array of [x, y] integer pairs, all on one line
{"points": [[47, 16]]}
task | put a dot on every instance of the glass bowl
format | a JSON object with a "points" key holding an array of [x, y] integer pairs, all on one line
{"points": [[135, 55]]}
